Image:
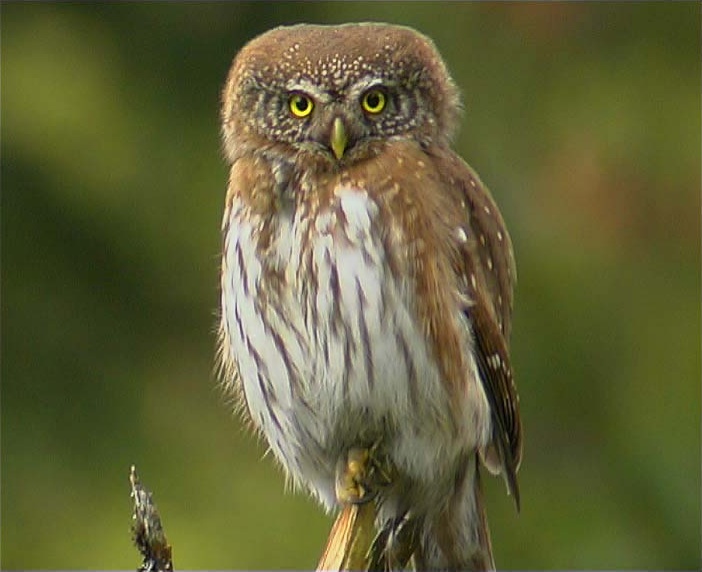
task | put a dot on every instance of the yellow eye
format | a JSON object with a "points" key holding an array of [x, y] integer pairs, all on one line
{"points": [[373, 101], [300, 105]]}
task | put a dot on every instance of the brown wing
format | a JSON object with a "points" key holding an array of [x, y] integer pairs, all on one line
{"points": [[488, 267]]}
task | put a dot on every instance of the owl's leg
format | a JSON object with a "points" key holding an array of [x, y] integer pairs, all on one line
{"points": [[359, 478], [395, 544], [360, 475]]}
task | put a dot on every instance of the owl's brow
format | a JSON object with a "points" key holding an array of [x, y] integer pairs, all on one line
{"points": [[326, 95], [369, 82], [309, 88]]}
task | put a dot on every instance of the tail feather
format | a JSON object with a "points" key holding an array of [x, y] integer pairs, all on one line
{"points": [[458, 537]]}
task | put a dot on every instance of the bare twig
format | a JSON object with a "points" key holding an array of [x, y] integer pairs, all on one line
{"points": [[147, 530], [350, 538]]}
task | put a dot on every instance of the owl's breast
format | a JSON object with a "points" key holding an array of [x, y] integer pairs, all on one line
{"points": [[325, 336]]}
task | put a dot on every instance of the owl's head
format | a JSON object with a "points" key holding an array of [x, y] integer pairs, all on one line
{"points": [[337, 92]]}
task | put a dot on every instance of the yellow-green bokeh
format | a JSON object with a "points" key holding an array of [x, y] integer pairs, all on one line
{"points": [[583, 118]]}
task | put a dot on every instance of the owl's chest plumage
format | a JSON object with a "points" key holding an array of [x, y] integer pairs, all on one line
{"points": [[320, 314]]}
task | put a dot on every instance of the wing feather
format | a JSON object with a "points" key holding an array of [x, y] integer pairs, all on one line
{"points": [[487, 265]]}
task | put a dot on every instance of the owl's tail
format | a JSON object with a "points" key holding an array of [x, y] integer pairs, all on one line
{"points": [[457, 537]]}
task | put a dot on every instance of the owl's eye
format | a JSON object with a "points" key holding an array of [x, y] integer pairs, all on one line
{"points": [[300, 105], [373, 101]]}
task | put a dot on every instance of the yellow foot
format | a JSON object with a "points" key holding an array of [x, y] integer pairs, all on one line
{"points": [[360, 475], [351, 475]]}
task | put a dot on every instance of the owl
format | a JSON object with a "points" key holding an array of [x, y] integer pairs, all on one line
{"points": [[367, 284]]}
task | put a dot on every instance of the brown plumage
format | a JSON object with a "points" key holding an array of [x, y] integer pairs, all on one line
{"points": [[367, 278]]}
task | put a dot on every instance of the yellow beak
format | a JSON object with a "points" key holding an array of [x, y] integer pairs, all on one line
{"points": [[338, 138]]}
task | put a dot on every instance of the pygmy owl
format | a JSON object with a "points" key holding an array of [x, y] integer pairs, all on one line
{"points": [[367, 279]]}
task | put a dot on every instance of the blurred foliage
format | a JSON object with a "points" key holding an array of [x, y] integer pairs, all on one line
{"points": [[584, 119]]}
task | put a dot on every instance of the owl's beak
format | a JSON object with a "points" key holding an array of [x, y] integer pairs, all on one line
{"points": [[338, 139]]}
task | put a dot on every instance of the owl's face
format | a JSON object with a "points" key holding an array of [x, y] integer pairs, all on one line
{"points": [[336, 92]]}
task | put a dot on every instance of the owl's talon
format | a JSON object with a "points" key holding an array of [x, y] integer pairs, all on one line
{"points": [[351, 476], [360, 476]]}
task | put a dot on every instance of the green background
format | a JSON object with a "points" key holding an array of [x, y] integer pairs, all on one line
{"points": [[584, 119]]}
